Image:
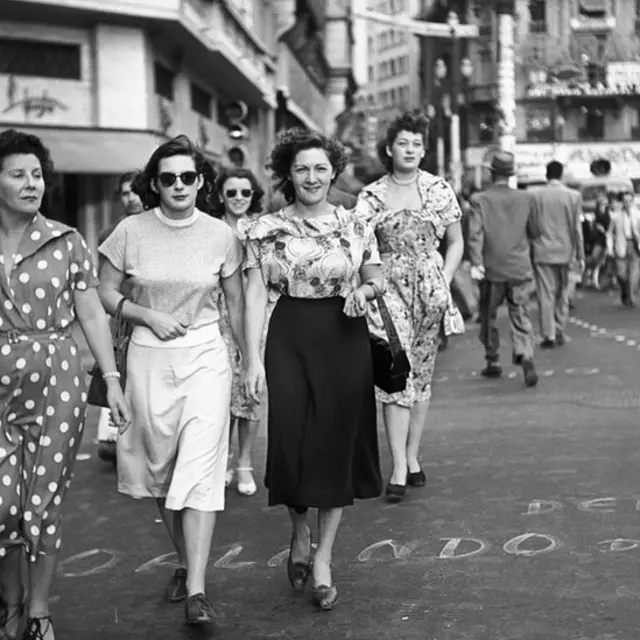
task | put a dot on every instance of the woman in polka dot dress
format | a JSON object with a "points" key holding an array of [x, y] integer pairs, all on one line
{"points": [[47, 281]]}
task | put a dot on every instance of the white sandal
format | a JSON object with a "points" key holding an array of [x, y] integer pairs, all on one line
{"points": [[246, 488]]}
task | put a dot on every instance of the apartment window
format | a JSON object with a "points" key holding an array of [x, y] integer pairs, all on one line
{"points": [[370, 43], [539, 125], [371, 73], [39, 58], [394, 96], [164, 79], [538, 16], [594, 128], [201, 101], [394, 70]]}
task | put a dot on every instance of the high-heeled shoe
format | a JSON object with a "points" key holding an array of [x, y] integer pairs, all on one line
{"points": [[299, 572], [246, 488], [395, 492], [416, 479], [325, 597], [37, 627], [9, 612]]}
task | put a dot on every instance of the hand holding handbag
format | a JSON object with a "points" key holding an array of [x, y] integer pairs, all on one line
{"points": [[120, 335], [391, 366]]}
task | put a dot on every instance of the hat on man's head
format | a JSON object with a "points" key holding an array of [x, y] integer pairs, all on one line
{"points": [[503, 163]]}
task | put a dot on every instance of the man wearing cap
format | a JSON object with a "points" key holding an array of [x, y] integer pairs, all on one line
{"points": [[501, 229], [558, 216]]}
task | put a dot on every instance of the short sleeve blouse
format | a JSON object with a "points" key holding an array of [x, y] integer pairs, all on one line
{"points": [[310, 257], [175, 266], [52, 263]]}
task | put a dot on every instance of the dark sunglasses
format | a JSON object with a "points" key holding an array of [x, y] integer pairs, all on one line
{"points": [[232, 193], [186, 177]]}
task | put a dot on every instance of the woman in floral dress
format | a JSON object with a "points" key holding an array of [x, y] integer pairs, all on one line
{"points": [[237, 199], [412, 211], [322, 440], [47, 283]]}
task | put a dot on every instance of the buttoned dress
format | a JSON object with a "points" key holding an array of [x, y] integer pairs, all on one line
{"points": [[416, 292], [42, 383]]}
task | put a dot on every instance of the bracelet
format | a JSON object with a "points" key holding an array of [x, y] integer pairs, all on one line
{"points": [[111, 374]]}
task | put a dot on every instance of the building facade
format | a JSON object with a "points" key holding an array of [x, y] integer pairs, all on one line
{"points": [[103, 83], [393, 61], [577, 81]]}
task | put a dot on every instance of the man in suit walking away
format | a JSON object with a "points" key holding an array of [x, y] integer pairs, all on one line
{"points": [[624, 245], [558, 213], [501, 229]]}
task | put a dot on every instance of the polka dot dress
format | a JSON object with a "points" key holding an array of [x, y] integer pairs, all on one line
{"points": [[42, 384]]}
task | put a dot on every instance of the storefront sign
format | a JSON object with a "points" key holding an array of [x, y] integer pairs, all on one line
{"points": [[577, 157], [623, 74]]}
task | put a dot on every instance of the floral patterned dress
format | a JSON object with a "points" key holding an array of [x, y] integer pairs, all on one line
{"points": [[416, 292], [241, 406]]}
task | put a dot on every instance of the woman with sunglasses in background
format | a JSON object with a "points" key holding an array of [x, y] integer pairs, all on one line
{"points": [[178, 376], [237, 198]]}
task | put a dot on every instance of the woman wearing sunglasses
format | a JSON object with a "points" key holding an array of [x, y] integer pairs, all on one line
{"points": [[177, 260], [237, 198]]}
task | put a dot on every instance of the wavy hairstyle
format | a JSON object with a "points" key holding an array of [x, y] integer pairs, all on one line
{"points": [[414, 121], [14, 142], [226, 173], [178, 146], [290, 143]]}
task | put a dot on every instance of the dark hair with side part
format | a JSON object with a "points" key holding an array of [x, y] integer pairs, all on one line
{"points": [[555, 170], [14, 142], [179, 146], [126, 177], [414, 121], [226, 173], [290, 143]]}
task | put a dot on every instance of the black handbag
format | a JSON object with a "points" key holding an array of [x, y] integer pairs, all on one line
{"points": [[391, 366], [120, 335]]}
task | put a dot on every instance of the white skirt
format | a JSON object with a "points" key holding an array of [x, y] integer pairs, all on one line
{"points": [[176, 447]]}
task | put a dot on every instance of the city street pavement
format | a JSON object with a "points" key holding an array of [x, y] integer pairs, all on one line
{"points": [[528, 528]]}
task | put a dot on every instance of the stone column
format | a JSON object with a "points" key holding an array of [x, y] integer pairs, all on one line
{"points": [[338, 51], [506, 76]]}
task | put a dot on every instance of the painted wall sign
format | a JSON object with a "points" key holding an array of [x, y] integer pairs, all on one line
{"points": [[38, 105]]}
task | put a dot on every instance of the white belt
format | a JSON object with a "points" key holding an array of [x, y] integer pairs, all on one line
{"points": [[144, 337]]}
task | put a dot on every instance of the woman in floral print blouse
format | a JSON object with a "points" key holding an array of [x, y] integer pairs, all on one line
{"points": [[322, 440], [412, 211]]}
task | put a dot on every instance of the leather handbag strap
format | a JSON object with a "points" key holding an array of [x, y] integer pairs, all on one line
{"points": [[121, 325], [389, 326]]}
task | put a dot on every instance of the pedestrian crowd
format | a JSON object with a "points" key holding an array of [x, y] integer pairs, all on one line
{"points": [[305, 316]]}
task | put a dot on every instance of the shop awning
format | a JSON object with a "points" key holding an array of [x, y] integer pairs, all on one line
{"points": [[97, 151]]}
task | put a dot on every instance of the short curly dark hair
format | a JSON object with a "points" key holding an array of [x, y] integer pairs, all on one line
{"points": [[290, 143], [414, 121], [226, 173], [178, 146], [14, 142]]}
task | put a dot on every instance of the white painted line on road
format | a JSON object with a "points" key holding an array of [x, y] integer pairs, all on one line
{"points": [[83, 456], [631, 343]]}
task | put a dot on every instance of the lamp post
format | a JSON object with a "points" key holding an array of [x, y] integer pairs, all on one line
{"points": [[440, 73], [456, 158]]}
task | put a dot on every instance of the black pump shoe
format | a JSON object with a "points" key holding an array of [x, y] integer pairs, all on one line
{"points": [[299, 572], [176, 589], [395, 492], [417, 479]]}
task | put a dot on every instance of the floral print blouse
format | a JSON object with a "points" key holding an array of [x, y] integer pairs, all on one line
{"points": [[310, 257]]}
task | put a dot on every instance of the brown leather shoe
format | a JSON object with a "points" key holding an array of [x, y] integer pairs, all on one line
{"points": [[198, 610], [176, 589]]}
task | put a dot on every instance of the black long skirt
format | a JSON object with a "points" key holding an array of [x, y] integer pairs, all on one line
{"points": [[322, 438]]}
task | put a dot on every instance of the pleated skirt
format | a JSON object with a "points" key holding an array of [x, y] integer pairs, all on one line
{"points": [[322, 435]]}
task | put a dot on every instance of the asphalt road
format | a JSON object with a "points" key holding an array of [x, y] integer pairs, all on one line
{"points": [[528, 528]]}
